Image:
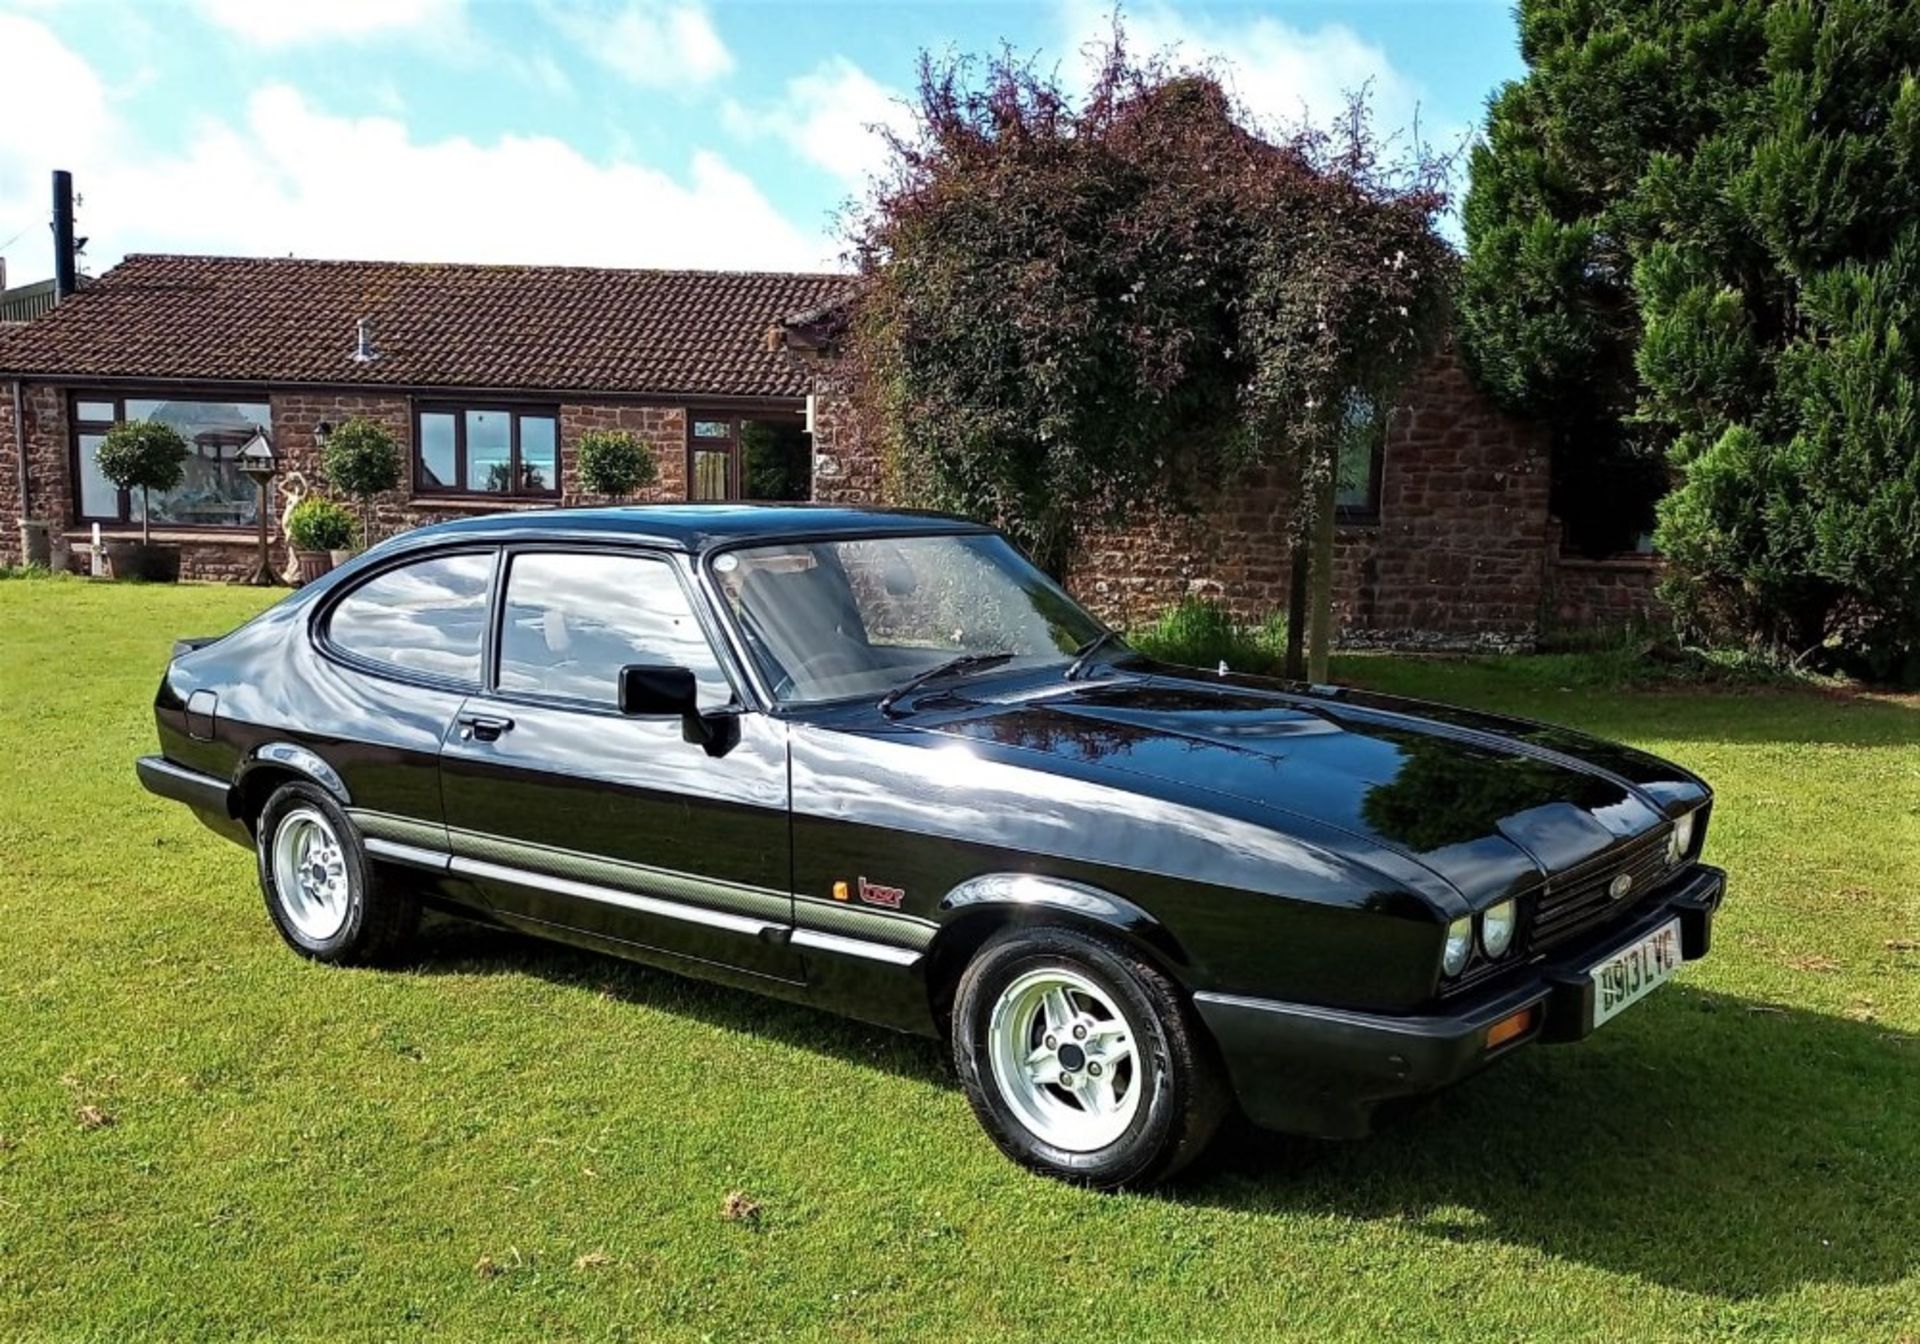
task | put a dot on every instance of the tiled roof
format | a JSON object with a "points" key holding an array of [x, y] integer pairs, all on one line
{"points": [[531, 328]]}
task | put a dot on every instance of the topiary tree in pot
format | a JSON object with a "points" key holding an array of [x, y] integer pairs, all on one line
{"points": [[322, 535], [361, 459], [616, 462], [143, 455]]}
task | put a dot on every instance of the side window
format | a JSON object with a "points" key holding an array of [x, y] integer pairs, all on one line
{"points": [[428, 617], [574, 620]]}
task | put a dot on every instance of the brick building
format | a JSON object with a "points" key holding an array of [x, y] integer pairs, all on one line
{"points": [[1443, 541], [487, 376]]}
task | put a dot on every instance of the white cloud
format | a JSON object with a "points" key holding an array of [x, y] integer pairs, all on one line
{"points": [[830, 116], [1281, 72], [50, 98], [291, 178], [280, 23], [652, 43]]}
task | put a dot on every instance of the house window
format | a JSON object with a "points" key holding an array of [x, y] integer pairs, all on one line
{"points": [[512, 451], [213, 492], [1362, 453], [767, 458]]}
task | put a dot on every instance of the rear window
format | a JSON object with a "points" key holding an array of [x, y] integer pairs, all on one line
{"points": [[428, 618]]}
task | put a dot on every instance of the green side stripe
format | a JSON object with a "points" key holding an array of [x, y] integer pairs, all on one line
{"points": [[400, 830], [810, 912], [662, 883], [856, 922]]}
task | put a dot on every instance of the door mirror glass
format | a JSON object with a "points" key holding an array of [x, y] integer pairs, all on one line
{"points": [[655, 689]]}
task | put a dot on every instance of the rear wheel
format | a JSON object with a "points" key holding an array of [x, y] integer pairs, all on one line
{"points": [[321, 889], [1082, 1060]]}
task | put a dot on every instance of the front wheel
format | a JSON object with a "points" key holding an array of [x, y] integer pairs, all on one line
{"points": [[1082, 1061], [320, 885]]}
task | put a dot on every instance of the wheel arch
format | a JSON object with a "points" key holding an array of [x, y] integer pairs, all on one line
{"points": [[272, 764], [981, 907]]}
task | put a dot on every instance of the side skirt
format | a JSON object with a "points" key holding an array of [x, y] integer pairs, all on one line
{"points": [[860, 977]]}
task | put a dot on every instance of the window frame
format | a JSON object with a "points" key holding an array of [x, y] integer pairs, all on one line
{"points": [[514, 411], [1368, 513], [734, 449], [119, 397], [320, 627], [730, 446], [711, 629]]}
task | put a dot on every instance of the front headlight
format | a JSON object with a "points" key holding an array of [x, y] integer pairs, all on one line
{"points": [[1496, 928], [1680, 840], [1459, 945]]}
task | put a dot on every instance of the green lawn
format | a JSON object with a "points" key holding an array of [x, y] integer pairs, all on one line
{"points": [[202, 1134]]}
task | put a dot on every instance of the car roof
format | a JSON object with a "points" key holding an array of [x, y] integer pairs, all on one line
{"points": [[694, 527]]}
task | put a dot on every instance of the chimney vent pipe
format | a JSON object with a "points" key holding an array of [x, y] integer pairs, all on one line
{"points": [[63, 261]]}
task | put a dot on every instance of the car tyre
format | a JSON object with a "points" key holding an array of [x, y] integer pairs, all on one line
{"points": [[321, 888], [1083, 1060]]}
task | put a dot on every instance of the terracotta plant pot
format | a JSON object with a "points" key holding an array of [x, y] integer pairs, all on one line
{"points": [[313, 564], [141, 560]]}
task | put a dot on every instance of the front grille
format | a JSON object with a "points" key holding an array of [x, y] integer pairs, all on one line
{"points": [[1578, 900]]}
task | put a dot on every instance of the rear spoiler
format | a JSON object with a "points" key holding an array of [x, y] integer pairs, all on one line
{"points": [[192, 642]]}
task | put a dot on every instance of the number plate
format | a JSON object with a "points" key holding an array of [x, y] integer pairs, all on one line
{"points": [[1632, 973]]}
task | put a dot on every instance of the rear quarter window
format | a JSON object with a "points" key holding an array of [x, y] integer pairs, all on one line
{"points": [[427, 618]]}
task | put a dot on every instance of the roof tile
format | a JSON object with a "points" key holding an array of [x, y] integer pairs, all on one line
{"points": [[521, 328]]}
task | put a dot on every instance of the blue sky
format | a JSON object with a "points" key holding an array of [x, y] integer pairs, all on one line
{"points": [[617, 132]]}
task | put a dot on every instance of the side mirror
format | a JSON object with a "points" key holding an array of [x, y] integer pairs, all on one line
{"points": [[656, 690]]}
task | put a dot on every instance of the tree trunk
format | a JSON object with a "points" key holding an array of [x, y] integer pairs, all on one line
{"points": [[1298, 565], [1320, 633], [146, 517]]}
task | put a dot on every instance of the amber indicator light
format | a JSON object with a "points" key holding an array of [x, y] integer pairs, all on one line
{"points": [[1507, 1028]]}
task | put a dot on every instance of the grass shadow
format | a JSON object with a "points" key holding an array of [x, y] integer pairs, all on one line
{"points": [[450, 945], [1706, 1142], [1716, 1145]]}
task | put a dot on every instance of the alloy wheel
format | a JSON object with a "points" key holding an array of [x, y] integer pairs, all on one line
{"points": [[1063, 1057], [310, 874]]}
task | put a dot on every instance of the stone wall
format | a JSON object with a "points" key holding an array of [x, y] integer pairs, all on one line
{"points": [[847, 467], [1457, 556], [48, 485], [664, 427], [1616, 592], [230, 555]]}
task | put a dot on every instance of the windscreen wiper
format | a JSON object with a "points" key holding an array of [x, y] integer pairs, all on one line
{"points": [[966, 662], [1084, 655]]}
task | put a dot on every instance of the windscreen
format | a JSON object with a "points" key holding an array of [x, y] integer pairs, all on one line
{"points": [[833, 620]]}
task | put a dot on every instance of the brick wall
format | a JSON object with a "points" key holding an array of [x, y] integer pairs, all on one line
{"points": [[1457, 558], [1614, 592], [231, 555], [10, 510], [847, 468], [47, 476], [664, 427]]}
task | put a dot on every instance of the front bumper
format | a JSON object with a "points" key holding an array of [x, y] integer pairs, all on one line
{"points": [[1322, 1071]]}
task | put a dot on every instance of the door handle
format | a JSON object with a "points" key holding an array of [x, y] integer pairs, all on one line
{"points": [[485, 727]]}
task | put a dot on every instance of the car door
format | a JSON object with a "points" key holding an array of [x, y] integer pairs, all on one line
{"points": [[400, 649], [576, 817]]}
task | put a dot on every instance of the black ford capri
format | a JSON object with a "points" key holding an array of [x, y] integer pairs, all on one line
{"points": [[879, 763]]}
